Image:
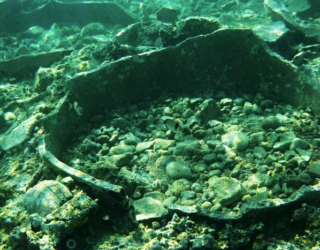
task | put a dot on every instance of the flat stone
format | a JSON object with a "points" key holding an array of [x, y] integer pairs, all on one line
{"points": [[177, 170], [149, 208], [144, 146], [236, 139], [19, 134], [122, 149]]}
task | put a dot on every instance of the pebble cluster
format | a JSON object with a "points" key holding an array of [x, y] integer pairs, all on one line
{"points": [[214, 153]]}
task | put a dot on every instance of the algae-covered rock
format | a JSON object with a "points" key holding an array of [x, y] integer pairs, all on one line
{"points": [[46, 197], [19, 134], [122, 149], [271, 122], [209, 110], [228, 190], [177, 170], [149, 208], [236, 139]]}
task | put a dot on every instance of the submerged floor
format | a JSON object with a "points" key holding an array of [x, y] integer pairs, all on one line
{"points": [[177, 126]]}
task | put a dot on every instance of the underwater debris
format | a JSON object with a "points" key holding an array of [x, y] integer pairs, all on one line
{"points": [[101, 188]]}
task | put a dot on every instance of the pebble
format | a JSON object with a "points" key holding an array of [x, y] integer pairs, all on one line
{"points": [[149, 208], [299, 143], [177, 170], [271, 122], [122, 149], [236, 139], [228, 190]]}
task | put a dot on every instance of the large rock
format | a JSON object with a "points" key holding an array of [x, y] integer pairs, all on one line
{"points": [[46, 197], [228, 190]]}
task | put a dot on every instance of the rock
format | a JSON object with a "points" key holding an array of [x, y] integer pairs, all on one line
{"points": [[169, 201], [44, 78], [257, 138], [228, 190], [209, 158], [177, 170], [167, 15], [270, 159], [19, 134], [314, 169], [178, 187], [236, 139], [142, 146], [271, 122], [149, 208], [187, 148], [163, 144], [122, 149], [117, 160], [226, 102], [69, 216], [282, 145], [121, 123], [208, 110], [204, 242], [299, 143], [258, 178], [9, 118], [93, 29], [259, 152], [88, 145], [304, 154], [45, 197], [200, 167]]}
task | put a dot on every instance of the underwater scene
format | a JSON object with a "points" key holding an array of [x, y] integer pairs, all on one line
{"points": [[160, 125]]}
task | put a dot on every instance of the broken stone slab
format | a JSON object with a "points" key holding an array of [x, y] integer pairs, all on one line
{"points": [[62, 12], [226, 53], [306, 194], [71, 215], [29, 64], [19, 134], [105, 191]]}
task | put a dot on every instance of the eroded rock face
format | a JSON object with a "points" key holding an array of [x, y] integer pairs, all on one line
{"points": [[46, 197]]}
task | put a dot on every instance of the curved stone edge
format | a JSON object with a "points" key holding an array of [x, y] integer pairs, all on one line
{"points": [[227, 62], [101, 189], [61, 13], [252, 209]]}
